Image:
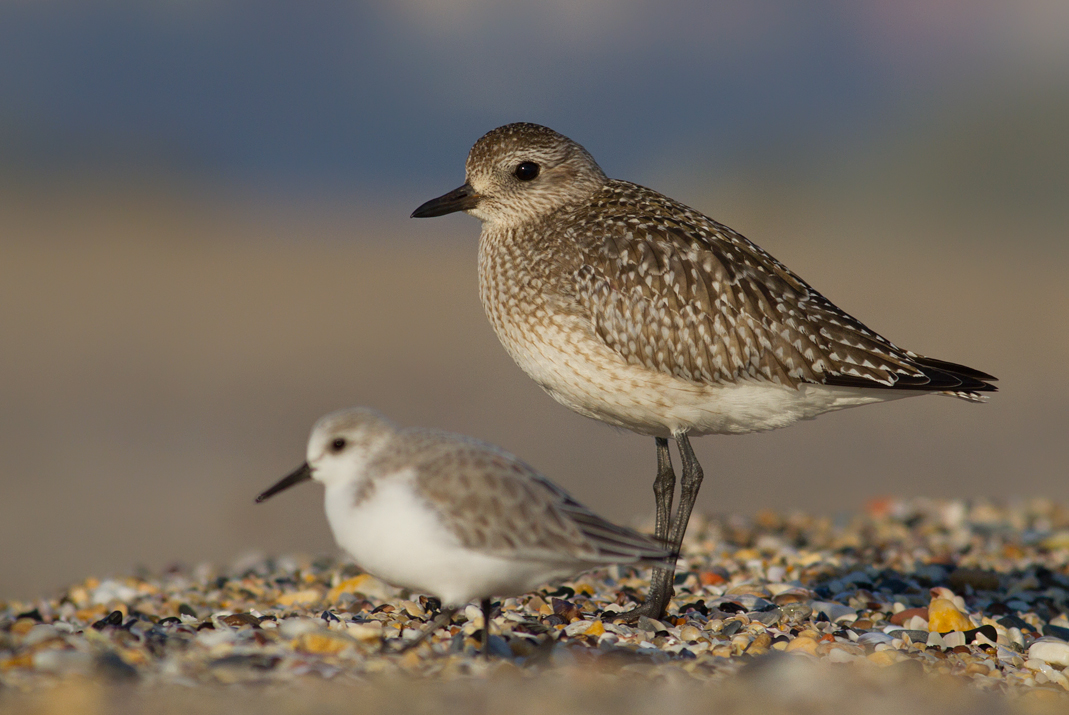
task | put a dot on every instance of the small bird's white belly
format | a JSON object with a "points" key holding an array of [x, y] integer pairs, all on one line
{"points": [[582, 373], [395, 536]]}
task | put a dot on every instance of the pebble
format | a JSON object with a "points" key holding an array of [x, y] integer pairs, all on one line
{"points": [[785, 593], [369, 631], [794, 612], [976, 579], [731, 628], [323, 642], [944, 616], [293, 627], [804, 644], [769, 617], [581, 627], [883, 658], [238, 620], [39, 633], [874, 638], [900, 618], [759, 645], [111, 590], [689, 633], [1050, 650], [914, 636], [834, 612], [838, 654], [63, 662], [362, 584], [305, 597]]}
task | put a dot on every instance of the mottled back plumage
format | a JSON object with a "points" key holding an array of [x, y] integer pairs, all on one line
{"points": [[496, 504], [673, 290]]}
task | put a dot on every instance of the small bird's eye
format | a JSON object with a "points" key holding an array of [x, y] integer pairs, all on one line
{"points": [[527, 171], [338, 444]]}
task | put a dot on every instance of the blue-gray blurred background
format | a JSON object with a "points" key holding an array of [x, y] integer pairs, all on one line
{"points": [[204, 244]]}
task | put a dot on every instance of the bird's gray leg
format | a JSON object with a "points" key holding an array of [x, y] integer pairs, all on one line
{"points": [[664, 487], [442, 619], [690, 481], [660, 592]]}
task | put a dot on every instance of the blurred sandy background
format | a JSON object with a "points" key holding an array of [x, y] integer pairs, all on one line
{"points": [[204, 246]]}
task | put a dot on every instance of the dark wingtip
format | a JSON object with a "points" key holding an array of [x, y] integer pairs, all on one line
{"points": [[936, 376], [956, 369]]}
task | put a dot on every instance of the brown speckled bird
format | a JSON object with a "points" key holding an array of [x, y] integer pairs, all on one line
{"points": [[633, 309]]}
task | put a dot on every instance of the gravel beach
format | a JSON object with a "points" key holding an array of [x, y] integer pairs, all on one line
{"points": [[910, 606]]}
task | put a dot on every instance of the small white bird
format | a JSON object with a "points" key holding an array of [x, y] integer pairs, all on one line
{"points": [[451, 516]]}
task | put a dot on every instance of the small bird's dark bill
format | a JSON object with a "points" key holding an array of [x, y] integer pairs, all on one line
{"points": [[459, 199], [301, 474]]}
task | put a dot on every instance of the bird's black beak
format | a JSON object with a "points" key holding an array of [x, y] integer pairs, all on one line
{"points": [[301, 474], [459, 199]]}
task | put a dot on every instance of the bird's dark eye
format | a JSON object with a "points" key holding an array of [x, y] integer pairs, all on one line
{"points": [[527, 170], [338, 444]]}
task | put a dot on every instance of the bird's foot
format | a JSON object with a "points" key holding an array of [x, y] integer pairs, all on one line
{"points": [[650, 608]]}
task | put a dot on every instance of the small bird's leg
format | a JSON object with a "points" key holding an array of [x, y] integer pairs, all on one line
{"points": [[487, 607], [443, 618]]}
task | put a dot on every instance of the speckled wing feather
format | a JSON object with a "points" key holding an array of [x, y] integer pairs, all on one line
{"points": [[495, 503], [670, 289]]}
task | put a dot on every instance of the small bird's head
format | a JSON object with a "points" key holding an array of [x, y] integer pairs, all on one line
{"points": [[341, 445], [519, 173]]}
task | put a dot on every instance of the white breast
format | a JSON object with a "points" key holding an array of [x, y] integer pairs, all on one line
{"points": [[394, 535]]}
